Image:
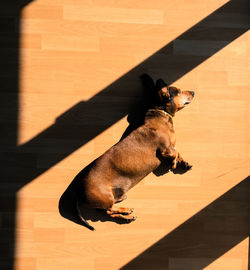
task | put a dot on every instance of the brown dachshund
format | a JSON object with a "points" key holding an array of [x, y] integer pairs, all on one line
{"points": [[109, 177]]}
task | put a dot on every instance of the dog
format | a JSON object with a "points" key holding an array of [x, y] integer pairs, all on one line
{"points": [[107, 179]]}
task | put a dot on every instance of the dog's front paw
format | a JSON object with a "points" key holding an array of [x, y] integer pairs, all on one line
{"points": [[186, 166], [182, 167]]}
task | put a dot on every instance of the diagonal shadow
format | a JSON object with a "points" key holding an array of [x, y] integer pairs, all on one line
{"points": [[87, 119], [204, 237]]}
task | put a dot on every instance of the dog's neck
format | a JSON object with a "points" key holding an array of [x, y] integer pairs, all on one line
{"points": [[169, 110], [159, 120], [164, 112], [159, 112]]}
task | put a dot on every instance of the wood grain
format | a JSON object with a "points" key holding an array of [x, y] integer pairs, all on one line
{"points": [[78, 78]]}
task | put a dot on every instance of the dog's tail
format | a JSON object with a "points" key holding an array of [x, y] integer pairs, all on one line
{"points": [[82, 218]]}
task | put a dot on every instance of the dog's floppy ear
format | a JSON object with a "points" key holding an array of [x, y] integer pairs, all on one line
{"points": [[162, 90]]}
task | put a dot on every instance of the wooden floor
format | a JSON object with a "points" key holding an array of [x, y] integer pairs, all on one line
{"points": [[69, 77]]}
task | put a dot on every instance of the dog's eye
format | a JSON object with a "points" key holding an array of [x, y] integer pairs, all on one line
{"points": [[174, 92]]}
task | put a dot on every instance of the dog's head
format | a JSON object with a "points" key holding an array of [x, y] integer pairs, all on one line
{"points": [[170, 98]]}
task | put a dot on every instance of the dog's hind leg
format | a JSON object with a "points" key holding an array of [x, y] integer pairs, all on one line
{"points": [[121, 213], [120, 210], [105, 200], [125, 217]]}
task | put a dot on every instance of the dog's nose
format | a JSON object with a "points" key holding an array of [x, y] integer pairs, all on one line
{"points": [[192, 93]]}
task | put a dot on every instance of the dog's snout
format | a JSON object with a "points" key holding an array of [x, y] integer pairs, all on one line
{"points": [[192, 93]]}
